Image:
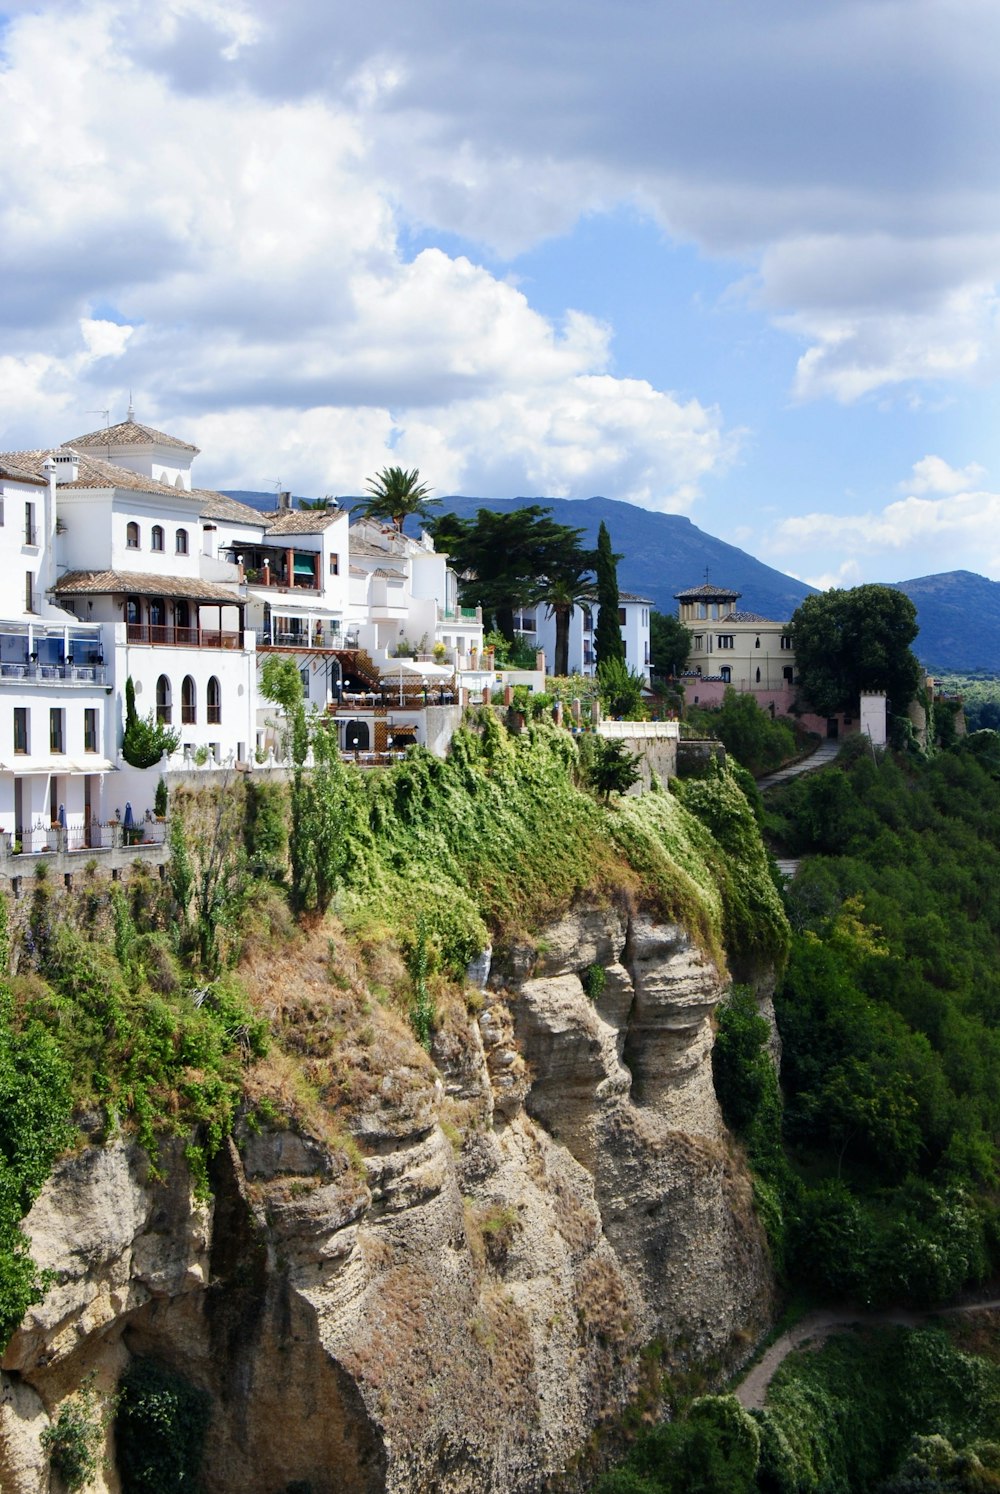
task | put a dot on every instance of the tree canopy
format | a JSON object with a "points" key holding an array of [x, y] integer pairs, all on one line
{"points": [[504, 560], [850, 641], [608, 642], [395, 494], [669, 643]]}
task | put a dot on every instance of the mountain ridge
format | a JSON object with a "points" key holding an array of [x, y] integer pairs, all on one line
{"points": [[958, 612]]}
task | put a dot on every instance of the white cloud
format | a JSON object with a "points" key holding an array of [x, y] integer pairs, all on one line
{"points": [[933, 475], [891, 541], [232, 257]]}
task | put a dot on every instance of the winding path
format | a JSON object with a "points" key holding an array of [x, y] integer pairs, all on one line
{"points": [[821, 758], [816, 1327]]}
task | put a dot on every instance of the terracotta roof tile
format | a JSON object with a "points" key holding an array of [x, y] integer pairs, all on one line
{"points": [[130, 433], [139, 583], [301, 520]]}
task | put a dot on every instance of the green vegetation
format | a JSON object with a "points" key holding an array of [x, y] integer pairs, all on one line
{"points": [[395, 495], [669, 644], [757, 741], [867, 1412], [74, 1439], [612, 769], [849, 641], [980, 698], [505, 559], [34, 1128], [159, 1429], [144, 740], [608, 643], [621, 691]]}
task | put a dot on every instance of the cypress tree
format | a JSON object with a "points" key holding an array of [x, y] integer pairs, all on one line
{"points": [[608, 642]]}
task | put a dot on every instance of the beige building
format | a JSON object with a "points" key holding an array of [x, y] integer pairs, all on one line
{"points": [[729, 647]]}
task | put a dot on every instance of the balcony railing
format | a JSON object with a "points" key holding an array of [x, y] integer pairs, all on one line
{"points": [[328, 637], [52, 674], [174, 637]]}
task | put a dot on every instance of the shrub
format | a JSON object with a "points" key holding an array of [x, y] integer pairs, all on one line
{"points": [[159, 1429], [144, 740], [74, 1440]]}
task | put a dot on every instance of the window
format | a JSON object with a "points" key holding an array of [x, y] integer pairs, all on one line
{"points": [[786, 674], [57, 729], [214, 702], [181, 542], [786, 640], [156, 538], [132, 535], [21, 729], [758, 674], [189, 713], [29, 592], [621, 617], [164, 709], [334, 565], [90, 729], [698, 641], [724, 640], [757, 644], [30, 537], [726, 674], [133, 610]]}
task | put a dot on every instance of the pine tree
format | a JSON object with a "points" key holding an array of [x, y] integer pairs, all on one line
{"points": [[608, 642]]}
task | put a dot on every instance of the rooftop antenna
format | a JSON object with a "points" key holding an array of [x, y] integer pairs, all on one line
{"points": [[706, 575], [107, 424], [130, 417]]}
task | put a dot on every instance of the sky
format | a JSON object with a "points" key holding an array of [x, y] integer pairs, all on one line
{"points": [[734, 261]]}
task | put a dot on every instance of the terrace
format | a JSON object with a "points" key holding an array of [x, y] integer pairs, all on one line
{"points": [[51, 656]]}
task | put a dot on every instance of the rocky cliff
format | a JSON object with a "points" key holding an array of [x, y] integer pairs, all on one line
{"points": [[466, 1309]]}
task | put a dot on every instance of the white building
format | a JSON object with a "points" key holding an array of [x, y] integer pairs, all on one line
{"points": [[55, 743], [539, 629]]}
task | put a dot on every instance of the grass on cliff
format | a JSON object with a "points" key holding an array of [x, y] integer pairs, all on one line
{"points": [[125, 1010]]}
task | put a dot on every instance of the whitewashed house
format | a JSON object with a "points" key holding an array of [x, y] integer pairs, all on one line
{"points": [[539, 629], [55, 739]]}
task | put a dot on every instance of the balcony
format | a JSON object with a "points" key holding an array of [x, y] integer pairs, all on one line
{"points": [[168, 636], [53, 674], [460, 614], [329, 636]]}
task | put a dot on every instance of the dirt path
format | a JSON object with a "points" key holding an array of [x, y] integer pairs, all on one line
{"points": [[816, 1327]]}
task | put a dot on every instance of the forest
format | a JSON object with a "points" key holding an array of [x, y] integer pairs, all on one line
{"points": [[876, 1161]]}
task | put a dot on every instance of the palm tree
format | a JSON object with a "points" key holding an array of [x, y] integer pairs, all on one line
{"points": [[395, 494], [564, 590]]}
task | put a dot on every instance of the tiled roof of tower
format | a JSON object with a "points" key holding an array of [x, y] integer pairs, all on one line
{"points": [[706, 593], [130, 433], [747, 617]]}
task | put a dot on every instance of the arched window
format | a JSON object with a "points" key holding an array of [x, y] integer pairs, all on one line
{"points": [[189, 712], [133, 610], [213, 702], [156, 538], [758, 676], [157, 612], [182, 615], [182, 542], [164, 710], [132, 535]]}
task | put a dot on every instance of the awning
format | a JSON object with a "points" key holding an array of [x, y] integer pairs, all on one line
{"points": [[25, 767]]}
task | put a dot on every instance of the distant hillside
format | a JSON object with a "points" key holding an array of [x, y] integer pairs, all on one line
{"points": [[958, 612], [959, 617], [663, 553]]}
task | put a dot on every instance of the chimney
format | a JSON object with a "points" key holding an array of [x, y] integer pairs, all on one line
{"points": [[66, 464], [284, 500]]}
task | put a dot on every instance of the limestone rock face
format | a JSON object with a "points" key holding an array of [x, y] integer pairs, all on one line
{"points": [[461, 1314]]}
